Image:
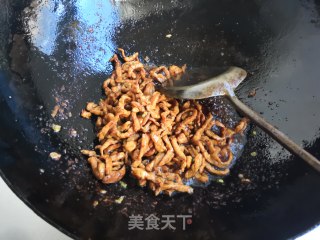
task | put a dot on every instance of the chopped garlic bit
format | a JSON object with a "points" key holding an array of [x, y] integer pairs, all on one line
{"points": [[102, 191], [95, 203], [253, 154], [55, 156], [245, 180], [168, 35], [123, 184], [220, 181], [119, 200], [147, 59], [56, 128]]}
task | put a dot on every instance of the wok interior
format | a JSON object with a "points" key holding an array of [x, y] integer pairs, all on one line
{"points": [[59, 54]]}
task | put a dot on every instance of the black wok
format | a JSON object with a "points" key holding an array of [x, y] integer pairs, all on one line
{"points": [[56, 52]]}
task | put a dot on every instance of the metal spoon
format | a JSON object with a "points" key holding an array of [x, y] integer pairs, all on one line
{"points": [[224, 85]]}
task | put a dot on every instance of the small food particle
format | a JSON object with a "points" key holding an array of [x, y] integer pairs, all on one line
{"points": [[168, 35], [55, 156], [147, 59], [220, 181], [72, 133], [102, 191], [254, 133], [119, 200], [252, 93], [95, 203], [41, 171], [245, 180], [55, 111], [85, 114], [56, 128], [123, 184], [240, 175], [107, 201], [253, 154]]}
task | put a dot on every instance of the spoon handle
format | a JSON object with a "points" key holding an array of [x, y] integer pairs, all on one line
{"points": [[279, 136]]}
